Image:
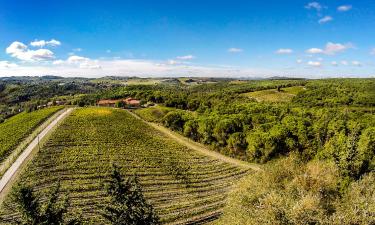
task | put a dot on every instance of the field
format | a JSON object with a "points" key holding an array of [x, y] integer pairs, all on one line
{"points": [[153, 114], [272, 95], [184, 186], [16, 128]]}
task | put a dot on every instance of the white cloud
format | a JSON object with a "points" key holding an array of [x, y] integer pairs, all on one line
{"points": [[151, 68], [330, 49], [334, 63], [372, 51], [314, 63], [58, 62], [333, 48], [235, 50], [284, 51], [173, 62], [344, 62], [299, 61], [314, 51], [325, 19], [185, 57], [20, 51], [356, 63], [77, 49], [314, 5], [76, 59], [43, 43], [344, 8], [6, 64]]}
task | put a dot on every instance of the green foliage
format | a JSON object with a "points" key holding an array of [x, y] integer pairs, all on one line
{"points": [[357, 205], [34, 212], [289, 191], [333, 92], [179, 182], [16, 128], [128, 205], [153, 114], [175, 120]]}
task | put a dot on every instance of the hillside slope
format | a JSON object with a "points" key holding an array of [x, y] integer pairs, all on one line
{"points": [[184, 186]]}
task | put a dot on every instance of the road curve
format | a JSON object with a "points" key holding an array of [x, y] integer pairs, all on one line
{"points": [[8, 175]]}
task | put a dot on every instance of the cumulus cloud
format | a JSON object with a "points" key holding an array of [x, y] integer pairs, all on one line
{"points": [[325, 19], [344, 62], [20, 51], [299, 61], [330, 49], [284, 51], [78, 61], [43, 43], [333, 48], [314, 5], [235, 50], [6, 64], [356, 63], [185, 57], [173, 62], [314, 51], [314, 63], [344, 8], [334, 63]]}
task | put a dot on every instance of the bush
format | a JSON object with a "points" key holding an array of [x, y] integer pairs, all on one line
{"points": [[286, 192]]}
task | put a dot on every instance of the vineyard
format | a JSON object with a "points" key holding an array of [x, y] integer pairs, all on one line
{"points": [[15, 129], [183, 186]]}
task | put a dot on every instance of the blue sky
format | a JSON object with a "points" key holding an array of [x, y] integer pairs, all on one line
{"points": [[331, 38]]}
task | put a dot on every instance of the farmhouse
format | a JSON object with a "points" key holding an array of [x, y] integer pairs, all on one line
{"points": [[130, 102], [107, 102]]}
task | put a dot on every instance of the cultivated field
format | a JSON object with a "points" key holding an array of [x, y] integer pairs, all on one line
{"points": [[272, 95], [15, 129], [184, 186]]}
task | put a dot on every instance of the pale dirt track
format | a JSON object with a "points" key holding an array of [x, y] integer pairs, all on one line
{"points": [[199, 147], [12, 170]]}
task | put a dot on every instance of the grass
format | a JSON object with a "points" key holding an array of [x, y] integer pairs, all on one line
{"points": [[18, 127], [272, 95], [154, 113], [183, 185]]}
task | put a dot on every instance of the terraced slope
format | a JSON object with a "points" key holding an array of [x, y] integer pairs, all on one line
{"points": [[15, 129], [184, 186]]}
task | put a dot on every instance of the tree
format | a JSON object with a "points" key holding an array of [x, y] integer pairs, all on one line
{"points": [[120, 104], [174, 120], [127, 203], [52, 212]]}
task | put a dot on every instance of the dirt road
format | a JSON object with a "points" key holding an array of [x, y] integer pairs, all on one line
{"points": [[199, 147], [9, 174]]}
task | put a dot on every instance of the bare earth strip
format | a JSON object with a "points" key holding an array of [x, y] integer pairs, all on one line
{"points": [[10, 173], [199, 147]]}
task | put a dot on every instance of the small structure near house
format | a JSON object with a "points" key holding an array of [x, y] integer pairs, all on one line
{"points": [[132, 102], [107, 102], [129, 102]]}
